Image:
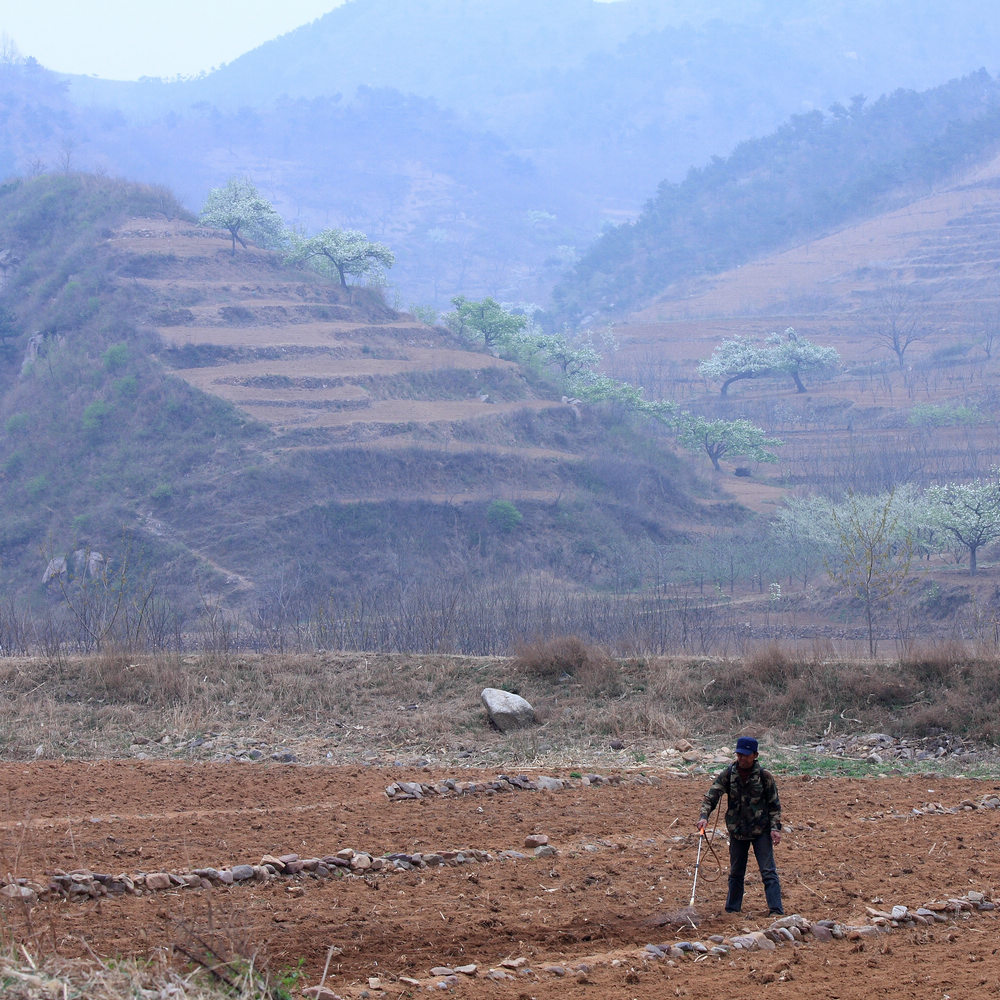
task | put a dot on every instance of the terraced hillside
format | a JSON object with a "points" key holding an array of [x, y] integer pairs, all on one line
{"points": [[946, 245], [931, 268], [299, 354], [254, 433]]}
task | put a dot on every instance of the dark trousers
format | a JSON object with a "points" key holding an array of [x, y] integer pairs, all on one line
{"points": [[763, 849]]}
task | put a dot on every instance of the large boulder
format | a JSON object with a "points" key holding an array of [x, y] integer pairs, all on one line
{"points": [[55, 569], [507, 711]]}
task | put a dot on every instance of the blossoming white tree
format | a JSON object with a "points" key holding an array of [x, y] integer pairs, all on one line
{"points": [[718, 438], [970, 512], [344, 252], [238, 208], [789, 354]]}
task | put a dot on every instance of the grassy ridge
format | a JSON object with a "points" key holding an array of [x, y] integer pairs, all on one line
{"points": [[342, 705]]}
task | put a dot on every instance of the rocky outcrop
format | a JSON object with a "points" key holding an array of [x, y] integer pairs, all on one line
{"points": [[8, 263], [84, 562], [38, 346]]}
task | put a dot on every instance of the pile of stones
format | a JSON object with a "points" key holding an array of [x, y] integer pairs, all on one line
{"points": [[880, 748], [401, 790], [84, 885]]}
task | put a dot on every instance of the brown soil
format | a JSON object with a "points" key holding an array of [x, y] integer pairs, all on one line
{"points": [[625, 860]]}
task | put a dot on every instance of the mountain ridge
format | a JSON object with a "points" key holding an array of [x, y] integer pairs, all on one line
{"points": [[543, 157]]}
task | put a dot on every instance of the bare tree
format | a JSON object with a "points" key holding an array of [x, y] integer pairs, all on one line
{"points": [[897, 320], [10, 54], [987, 328], [874, 549]]}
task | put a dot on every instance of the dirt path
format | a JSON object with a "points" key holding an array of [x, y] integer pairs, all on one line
{"points": [[624, 858]]}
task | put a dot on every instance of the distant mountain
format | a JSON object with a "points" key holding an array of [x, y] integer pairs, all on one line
{"points": [[816, 173], [526, 127], [615, 96]]}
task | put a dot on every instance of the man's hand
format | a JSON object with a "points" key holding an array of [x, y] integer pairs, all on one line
{"points": [[702, 823], [775, 837]]}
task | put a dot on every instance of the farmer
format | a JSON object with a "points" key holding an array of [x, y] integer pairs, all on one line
{"points": [[753, 816]]}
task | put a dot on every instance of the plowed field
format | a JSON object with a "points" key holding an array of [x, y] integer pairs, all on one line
{"points": [[579, 919]]}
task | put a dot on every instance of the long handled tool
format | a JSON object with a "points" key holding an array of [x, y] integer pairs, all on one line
{"points": [[688, 914], [697, 866]]}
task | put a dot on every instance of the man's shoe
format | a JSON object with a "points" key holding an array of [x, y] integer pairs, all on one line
{"points": [[775, 913]]}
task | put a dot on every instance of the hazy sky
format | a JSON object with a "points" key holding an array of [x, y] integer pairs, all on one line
{"points": [[126, 39]]}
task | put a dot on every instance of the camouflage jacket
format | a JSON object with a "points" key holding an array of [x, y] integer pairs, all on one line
{"points": [[753, 807]]}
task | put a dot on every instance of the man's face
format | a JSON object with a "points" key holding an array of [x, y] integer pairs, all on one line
{"points": [[744, 761]]}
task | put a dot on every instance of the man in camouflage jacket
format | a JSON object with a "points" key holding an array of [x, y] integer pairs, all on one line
{"points": [[753, 818]]}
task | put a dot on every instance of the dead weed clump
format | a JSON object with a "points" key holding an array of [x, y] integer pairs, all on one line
{"points": [[25, 976], [550, 658], [772, 665], [952, 688], [938, 663], [146, 680], [568, 657]]}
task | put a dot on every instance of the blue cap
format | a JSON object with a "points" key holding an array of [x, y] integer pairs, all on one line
{"points": [[746, 744]]}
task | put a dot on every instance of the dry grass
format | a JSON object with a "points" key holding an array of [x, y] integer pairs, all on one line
{"points": [[24, 976], [566, 657], [344, 706], [209, 962]]}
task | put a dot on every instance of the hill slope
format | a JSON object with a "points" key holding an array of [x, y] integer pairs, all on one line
{"points": [[220, 425], [814, 175], [924, 274]]}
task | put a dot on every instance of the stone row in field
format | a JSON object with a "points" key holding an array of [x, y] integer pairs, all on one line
{"points": [[400, 791], [83, 884], [796, 928], [788, 930]]}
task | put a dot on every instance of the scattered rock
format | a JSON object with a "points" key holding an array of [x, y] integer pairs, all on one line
{"points": [[550, 784], [158, 880], [320, 993], [507, 711], [19, 892]]}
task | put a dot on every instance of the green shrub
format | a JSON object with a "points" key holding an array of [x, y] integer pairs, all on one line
{"points": [[15, 462], [943, 415], [115, 357], [18, 424], [161, 493], [37, 486], [94, 416], [503, 516], [127, 386]]}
